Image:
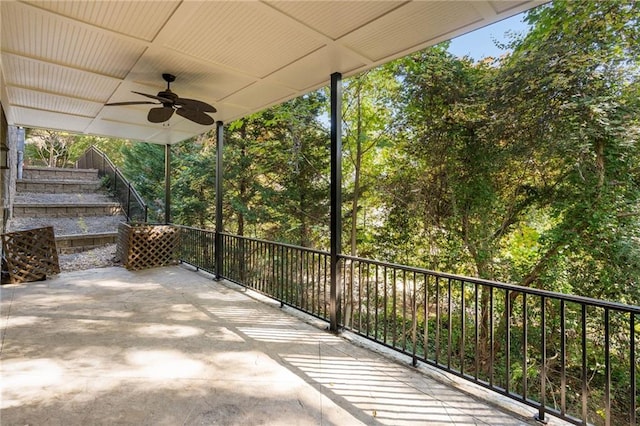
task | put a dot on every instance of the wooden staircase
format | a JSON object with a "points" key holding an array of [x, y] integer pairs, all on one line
{"points": [[72, 201]]}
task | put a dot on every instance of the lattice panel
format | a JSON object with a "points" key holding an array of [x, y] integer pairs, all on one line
{"points": [[147, 246], [30, 255]]}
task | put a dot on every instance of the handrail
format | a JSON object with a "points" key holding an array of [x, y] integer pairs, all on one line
{"points": [[505, 286], [131, 202], [571, 356]]}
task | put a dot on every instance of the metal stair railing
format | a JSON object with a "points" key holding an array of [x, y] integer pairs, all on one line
{"points": [[132, 203]]}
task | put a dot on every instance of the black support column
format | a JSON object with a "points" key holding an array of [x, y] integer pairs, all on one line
{"points": [[219, 166], [336, 201], [167, 184]]}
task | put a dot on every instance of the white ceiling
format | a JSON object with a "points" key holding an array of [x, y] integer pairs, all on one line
{"points": [[61, 61]]}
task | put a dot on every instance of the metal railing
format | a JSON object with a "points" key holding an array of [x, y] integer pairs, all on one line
{"points": [[197, 247], [552, 351], [294, 276], [132, 204], [571, 356]]}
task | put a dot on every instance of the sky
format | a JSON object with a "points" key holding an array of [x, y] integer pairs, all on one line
{"points": [[479, 44]]}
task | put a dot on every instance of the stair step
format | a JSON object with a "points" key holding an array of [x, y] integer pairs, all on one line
{"points": [[57, 186], [62, 198], [72, 201], [65, 209], [74, 243], [39, 173], [68, 225]]}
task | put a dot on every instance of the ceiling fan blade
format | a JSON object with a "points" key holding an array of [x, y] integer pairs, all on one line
{"points": [[131, 103], [195, 116], [161, 99], [195, 105], [160, 115]]}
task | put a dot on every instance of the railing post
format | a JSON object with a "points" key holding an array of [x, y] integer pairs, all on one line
{"points": [[336, 200], [167, 184], [129, 202], [218, 236]]}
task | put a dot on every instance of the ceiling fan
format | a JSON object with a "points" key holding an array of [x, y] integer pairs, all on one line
{"points": [[190, 109]]}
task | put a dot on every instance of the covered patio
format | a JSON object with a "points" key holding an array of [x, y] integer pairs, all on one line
{"points": [[170, 346]]}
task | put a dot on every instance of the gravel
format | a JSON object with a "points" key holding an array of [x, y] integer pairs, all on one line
{"points": [[68, 225], [97, 258], [64, 198]]}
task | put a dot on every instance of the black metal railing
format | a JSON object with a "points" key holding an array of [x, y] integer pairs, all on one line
{"points": [[295, 276], [570, 356], [552, 351], [197, 247], [132, 204]]}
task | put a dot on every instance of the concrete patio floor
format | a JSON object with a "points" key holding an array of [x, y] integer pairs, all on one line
{"points": [[169, 346]]}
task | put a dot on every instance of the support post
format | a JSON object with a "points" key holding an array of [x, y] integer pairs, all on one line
{"points": [[167, 184], [219, 194], [335, 302]]}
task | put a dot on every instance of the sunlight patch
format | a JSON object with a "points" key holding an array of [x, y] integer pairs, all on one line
{"points": [[165, 365], [163, 330]]}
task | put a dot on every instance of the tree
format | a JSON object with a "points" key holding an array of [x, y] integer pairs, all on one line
{"points": [[367, 120], [564, 99], [144, 168], [275, 173], [193, 182], [49, 148]]}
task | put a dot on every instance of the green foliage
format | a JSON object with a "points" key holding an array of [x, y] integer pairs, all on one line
{"points": [[60, 149], [111, 147], [47, 148], [144, 168], [276, 183], [525, 170]]}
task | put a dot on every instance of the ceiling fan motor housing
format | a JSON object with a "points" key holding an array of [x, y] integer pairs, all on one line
{"points": [[191, 109], [168, 94]]}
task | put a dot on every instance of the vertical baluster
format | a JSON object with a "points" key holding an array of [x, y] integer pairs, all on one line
{"points": [[507, 306], [349, 297], [404, 310], [463, 334], [359, 281], [314, 309], [491, 353], [414, 320], [584, 364], [324, 291], [376, 295], [607, 369], [384, 308], [563, 356], [426, 317], [525, 347], [289, 298], [394, 298], [543, 367], [368, 307], [305, 281], [449, 323], [437, 357], [632, 368], [476, 337]]}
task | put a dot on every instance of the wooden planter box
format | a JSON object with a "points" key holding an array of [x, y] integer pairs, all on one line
{"points": [[29, 255], [143, 246]]}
